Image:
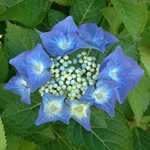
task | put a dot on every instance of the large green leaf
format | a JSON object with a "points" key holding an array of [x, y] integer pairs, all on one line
{"points": [[54, 16], [3, 65], [133, 15], [2, 136], [109, 13], [107, 134], [9, 3], [2, 8], [141, 139], [27, 12], [62, 2], [16, 143], [145, 58], [19, 39], [87, 10], [139, 98]]}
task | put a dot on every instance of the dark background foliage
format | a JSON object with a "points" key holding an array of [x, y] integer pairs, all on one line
{"points": [[129, 20]]}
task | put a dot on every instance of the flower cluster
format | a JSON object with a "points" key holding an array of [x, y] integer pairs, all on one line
{"points": [[70, 83]]}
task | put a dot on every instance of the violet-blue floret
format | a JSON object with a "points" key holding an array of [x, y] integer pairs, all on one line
{"points": [[102, 96], [71, 84], [124, 71], [62, 39], [94, 37], [33, 65], [20, 86], [53, 108]]}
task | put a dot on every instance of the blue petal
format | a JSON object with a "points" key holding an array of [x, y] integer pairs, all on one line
{"points": [[127, 74], [19, 85], [80, 112], [94, 37], [59, 44], [48, 110], [108, 102], [19, 62], [66, 26], [37, 65]]}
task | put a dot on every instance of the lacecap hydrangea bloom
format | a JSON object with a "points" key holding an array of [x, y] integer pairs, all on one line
{"points": [[70, 82]]}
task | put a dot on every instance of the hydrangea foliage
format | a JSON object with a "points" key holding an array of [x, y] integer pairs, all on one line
{"points": [[71, 83]]}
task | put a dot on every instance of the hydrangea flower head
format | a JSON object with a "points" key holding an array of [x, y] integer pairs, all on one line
{"points": [[70, 84], [19, 85], [94, 37], [123, 70]]}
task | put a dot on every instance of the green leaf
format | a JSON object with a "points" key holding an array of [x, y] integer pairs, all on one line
{"points": [[27, 12], [145, 41], [109, 13], [2, 136], [130, 47], [63, 2], [133, 15], [139, 98], [145, 58], [87, 10], [112, 134], [54, 17], [9, 3], [19, 39], [19, 119], [141, 139], [16, 143], [3, 65], [2, 7]]}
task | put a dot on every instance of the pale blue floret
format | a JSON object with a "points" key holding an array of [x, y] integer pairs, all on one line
{"points": [[102, 96], [53, 108], [80, 112], [19, 85]]}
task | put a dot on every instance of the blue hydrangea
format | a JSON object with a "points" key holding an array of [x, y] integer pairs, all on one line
{"points": [[102, 96], [53, 108], [34, 66], [80, 112], [70, 85], [62, 39], [19, 85], [94, 37], [124, 71]]}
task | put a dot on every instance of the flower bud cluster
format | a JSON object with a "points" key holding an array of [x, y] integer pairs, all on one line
{"points": [[71, 77]]}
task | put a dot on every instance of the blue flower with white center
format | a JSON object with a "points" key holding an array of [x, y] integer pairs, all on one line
{"points": [[80, 112], [20, 86], [102, 96], [34, 66], [123, 70], [94, 37], [62, 39], [52, 109], [19, 63]]}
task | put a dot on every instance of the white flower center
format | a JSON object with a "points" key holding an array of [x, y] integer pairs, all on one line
{"points": [[101, 95], [53, 108], [114, 74], [23, 83], [64, 44], [79, 110], [38, 68]]}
